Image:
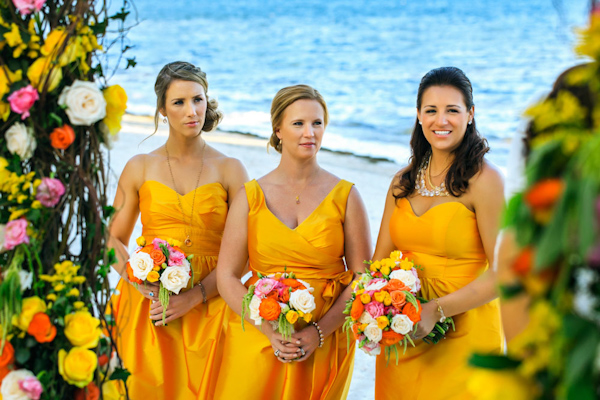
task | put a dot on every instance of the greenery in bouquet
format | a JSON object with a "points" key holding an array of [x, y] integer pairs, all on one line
{"points": [[384, 308], [56, 114], [556, 220]]}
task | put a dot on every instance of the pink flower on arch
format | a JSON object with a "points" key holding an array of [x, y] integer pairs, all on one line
{"points": [[26, 7], [22, 100], [15, 233], [49, 192], [31, 387]]}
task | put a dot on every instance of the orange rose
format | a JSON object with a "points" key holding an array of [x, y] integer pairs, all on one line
{"points": [[90, 392], [413, 314], [158, 257], [284, 297], [61, 138], [293, 283], [395, 284], [130, 275], [273, 294], [8, 355], [269, 309], [357, 309], [390, 337], [544, 193], [524, 262], [3, 372], [147, 249], [398, 298], [41, 328]]}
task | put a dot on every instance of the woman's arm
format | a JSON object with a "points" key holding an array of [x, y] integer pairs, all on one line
{"points": [[357, 248], [487, 193], [234, 175]]}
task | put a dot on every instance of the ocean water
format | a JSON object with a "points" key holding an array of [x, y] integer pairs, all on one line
{"points": [[365, 56]]}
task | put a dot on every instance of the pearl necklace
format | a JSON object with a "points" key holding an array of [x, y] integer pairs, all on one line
{"points": [[439, 191]]}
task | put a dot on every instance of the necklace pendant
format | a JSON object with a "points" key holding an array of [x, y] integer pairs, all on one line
{"points": [[188, 241], [297, 199]]}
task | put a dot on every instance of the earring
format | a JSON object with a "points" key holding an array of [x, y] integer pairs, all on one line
{"points": [[470, 122], [420, 123], [164, 120]]}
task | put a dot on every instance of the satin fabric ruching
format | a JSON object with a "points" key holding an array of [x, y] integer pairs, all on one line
{"points": [[314, 252], [445, 243], [177, 361]]}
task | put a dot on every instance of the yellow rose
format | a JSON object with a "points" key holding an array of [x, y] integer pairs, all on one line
{"points": [[141, 241], [380, 296], [113, 390], [82, 329], [406, 265], [73, 293], [43, 70], [77, 367], [59, 287], [375, 266], [30, 307], [307, 317], [291, 316], [388, 299], [382, 321], [4, 110], [396, 255], [386, 270], [78, 305], [7, 79], [51, 297], [365, 298], [78, 279], [153, 276], [53, 43]]}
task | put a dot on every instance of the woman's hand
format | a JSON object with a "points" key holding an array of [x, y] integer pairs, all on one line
{"points": [[179, 305], [146, 288], [429, 317], [286, 351], [308, 340]]}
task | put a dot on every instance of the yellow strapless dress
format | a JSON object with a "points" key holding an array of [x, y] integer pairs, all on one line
{"points": [[314, 251], [445, 242], [177, 361]]}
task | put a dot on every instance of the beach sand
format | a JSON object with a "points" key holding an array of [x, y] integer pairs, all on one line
{"points": [[372, 179]]}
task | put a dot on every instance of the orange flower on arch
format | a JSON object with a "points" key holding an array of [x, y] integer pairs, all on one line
{"points": [[524, 262], [62, 138], [90, 392], [41, 328], [269, 309]]}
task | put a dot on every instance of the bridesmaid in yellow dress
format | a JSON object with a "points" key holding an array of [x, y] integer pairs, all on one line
{"points": [[182, 190], [443, 211], [305, 219]]}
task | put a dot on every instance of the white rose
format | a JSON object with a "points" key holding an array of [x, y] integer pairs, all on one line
{"points": [[401, 324], [254, 311], [303, 301], [20, 140], [10, 389], [375, 286], [366, 318], [365, 278], [373, 332], [26, 278], [306, 285], [141, 264], [84, 101], [372, 349], [406, 277], [175, 278]]}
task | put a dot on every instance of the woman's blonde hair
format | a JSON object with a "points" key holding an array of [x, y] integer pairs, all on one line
{"points": [[282, 101], [184, 71]]}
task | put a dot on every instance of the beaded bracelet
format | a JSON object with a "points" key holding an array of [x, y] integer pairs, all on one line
{"points": [[440, 310], [321, 337], [203, 292]]}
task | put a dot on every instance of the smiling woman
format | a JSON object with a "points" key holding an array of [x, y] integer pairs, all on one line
{"points": [[303, 220], [182, 190]]}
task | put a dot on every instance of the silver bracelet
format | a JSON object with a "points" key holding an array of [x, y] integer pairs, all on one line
{"points": [[203, 292], [321, 337]]}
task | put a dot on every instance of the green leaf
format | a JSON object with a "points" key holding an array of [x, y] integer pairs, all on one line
{"points": [[122, 15], [581, 357], [490, 361], [22, 355], [586, 201], [131, 63], [119, 374], [99, 28]]}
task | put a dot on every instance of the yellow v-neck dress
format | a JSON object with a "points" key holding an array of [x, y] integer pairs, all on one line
{"points": [[176, 361], [445, 242], [314, 251]]}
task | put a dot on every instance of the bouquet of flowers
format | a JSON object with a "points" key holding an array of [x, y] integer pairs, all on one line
{"points": [[384, 308], [281, 299], [161, 261]]}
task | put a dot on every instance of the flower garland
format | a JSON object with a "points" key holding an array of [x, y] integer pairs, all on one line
{"points": [[556, 220], [56, 111]]}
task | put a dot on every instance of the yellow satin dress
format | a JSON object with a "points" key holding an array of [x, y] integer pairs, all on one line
{"points": [[177, 361], [314, 251], [445, 242]]}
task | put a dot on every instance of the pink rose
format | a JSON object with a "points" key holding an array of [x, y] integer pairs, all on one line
{"points": [[392, 310], [264, 286], [49, 192], [175, 258], [28, 6], [372, 349], [15, 233], [31, 387], [375, 309], [22, 100], [157, 242]]}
